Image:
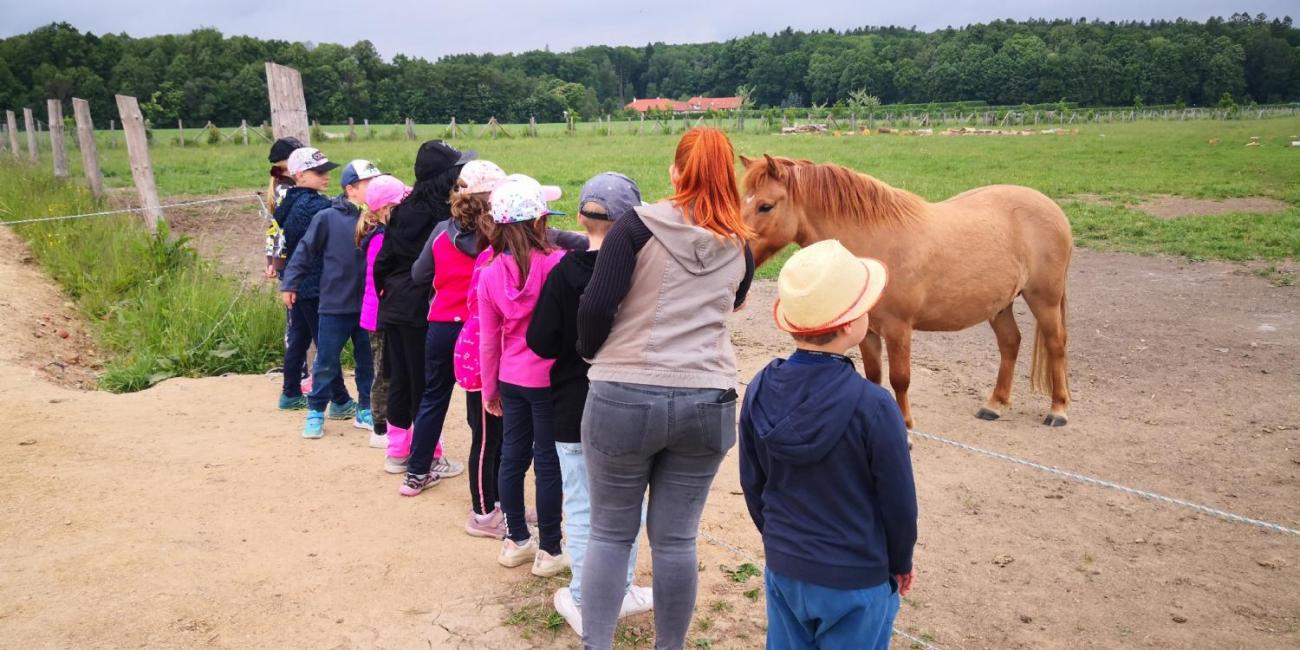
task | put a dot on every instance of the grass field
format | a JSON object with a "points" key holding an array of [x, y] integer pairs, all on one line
{"points": [[137, 304], [1120, 162]]}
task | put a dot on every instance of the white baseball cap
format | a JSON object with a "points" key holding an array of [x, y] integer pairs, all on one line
{"points": [[309, 159]]}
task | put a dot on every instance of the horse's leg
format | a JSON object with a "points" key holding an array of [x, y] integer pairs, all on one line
{"points": [[898, 341], [1049, 310], [870, 348], [1008, 333]]}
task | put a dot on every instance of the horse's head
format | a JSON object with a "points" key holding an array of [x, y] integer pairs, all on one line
{"points": [[766, 207]]}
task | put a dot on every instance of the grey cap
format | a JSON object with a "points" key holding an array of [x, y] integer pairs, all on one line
{"points": [[613, 191]]}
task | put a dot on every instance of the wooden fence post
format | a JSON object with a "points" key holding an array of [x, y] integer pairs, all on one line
{"points": [[12, 121], [352, 130], [532, 125], [410, 129], [89, 152], [180, 127], [137, 147], [369, 134], [30, 124], [288, 106], [243, 129]]}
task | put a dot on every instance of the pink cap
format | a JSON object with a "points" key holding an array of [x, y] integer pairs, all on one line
{"points": [[384, 191]]}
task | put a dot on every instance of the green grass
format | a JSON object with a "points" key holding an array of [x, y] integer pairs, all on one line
{"points": [[154, 305], [158, 311], [1120, 161]]}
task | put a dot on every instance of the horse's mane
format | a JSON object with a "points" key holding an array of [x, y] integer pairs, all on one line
{"points": [[833, 192]]}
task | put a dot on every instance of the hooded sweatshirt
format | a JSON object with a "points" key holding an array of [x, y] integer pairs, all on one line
{"points": [[330, 248], [504, 312], [826, 473], [295, 213], [656, 309], [403, 301], [371, 244]]}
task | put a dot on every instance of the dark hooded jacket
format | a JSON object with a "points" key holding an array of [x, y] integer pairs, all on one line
{"points": [[295, 214], [402, 300], [330, 246], [826, 473]]}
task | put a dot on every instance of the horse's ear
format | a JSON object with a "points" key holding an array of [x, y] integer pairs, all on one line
{"points": [[773, 168], [746, 161]]}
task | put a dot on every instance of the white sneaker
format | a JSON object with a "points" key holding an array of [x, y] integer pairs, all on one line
{"points": [[546, 565], [568, 609], [636, 601], [446, 468], [513, 555], [396, 465], [378, 440]]}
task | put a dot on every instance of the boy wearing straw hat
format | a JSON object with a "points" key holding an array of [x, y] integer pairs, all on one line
{"points": [[824, 464]]}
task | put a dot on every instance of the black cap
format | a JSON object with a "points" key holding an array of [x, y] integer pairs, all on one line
{"points": [[281, 149], [436, 157]]}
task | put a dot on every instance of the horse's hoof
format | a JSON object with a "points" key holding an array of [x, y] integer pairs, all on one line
{"points": [[1055, 421], [987, 414]]}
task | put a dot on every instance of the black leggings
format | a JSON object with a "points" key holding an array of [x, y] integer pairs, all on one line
{"points": [[484, 454], [404, 352]]}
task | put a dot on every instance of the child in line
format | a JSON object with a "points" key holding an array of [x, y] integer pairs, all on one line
{"points": [[403, 302], [816, 437], [330, 244], [553, 334], [447, 262], [515, 380], [276, 188], [382, 194], [311, 174]]}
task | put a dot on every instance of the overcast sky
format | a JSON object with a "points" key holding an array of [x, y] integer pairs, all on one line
{"points": [[433, 29]]}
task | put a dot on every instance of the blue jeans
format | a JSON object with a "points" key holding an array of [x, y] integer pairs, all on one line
{"points": [[577, 514], [527, 439], [439, 380], [301, 333], [805, 615], [335, 331]]}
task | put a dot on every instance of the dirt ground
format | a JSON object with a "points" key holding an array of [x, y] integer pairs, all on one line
{"points": [[1166, 206], [193, 514]]}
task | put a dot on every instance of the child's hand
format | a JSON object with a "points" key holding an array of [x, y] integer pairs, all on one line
{"points": [[905, 582], [493, 407], [270, 271], [289, 297]]}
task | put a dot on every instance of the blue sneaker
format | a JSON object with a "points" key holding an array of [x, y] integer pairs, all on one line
{"points": [[343, 411], [364, 420], [315, 424], [298, 403]]}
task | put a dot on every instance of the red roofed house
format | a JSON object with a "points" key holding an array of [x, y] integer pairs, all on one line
{"points": [[695, 105]]}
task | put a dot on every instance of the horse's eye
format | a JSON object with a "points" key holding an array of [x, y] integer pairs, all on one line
{"points": [[765, 208]]}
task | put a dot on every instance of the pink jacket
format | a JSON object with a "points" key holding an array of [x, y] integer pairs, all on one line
{"points": [[466, 366], [504, 312], [370, 299]]}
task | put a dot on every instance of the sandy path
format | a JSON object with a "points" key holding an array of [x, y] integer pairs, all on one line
{"points": [[192, 514]]}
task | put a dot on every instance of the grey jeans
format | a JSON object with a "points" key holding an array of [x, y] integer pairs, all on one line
{"points": [[671, 440]]}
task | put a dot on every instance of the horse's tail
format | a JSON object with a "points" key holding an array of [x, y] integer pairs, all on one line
{"points": [[1040, 378]]}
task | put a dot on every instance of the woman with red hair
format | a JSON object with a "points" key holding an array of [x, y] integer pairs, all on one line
{"points": [[661, 411]]}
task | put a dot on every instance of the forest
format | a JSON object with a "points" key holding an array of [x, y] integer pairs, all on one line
{"points": [[204, 75]]}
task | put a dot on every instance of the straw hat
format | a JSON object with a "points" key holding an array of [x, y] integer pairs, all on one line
{"points": [[824, 287]]}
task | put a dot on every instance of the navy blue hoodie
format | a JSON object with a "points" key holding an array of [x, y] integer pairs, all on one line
{"points": [[826, 473], [295, 214], [329, 248]]}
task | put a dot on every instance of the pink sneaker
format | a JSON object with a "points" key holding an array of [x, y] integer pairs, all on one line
{"points": [[492, 525], [415, 484]]}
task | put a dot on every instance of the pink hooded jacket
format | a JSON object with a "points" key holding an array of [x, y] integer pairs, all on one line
{"points": [[504, 312], [370, 299]]}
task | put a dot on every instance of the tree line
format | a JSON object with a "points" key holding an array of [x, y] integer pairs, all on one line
{"points": [[204, 75]]}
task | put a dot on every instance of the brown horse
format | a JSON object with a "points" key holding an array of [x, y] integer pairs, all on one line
{"points": [[952, 264]]}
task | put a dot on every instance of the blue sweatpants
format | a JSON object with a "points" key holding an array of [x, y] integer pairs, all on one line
{"points": [[805, 615]]}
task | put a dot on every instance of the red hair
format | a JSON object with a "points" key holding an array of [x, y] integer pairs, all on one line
{"points": [[706, 182]]}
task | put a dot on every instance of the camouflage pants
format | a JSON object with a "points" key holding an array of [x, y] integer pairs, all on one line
{"points": [[379, 390]]}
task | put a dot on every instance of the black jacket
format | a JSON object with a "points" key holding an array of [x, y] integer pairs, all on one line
{"points": [[403, 300], [553, 334]]}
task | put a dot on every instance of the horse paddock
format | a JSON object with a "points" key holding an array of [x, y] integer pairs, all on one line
{"points": [[193, 515]]}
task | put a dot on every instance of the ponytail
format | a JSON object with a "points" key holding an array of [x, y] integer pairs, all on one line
{"points": [[706, 183]]}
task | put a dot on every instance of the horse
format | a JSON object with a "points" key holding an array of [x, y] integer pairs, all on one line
{"points": [[952, 264]]}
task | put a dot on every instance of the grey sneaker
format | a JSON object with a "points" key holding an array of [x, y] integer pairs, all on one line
{"points": [[446, 468]]}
